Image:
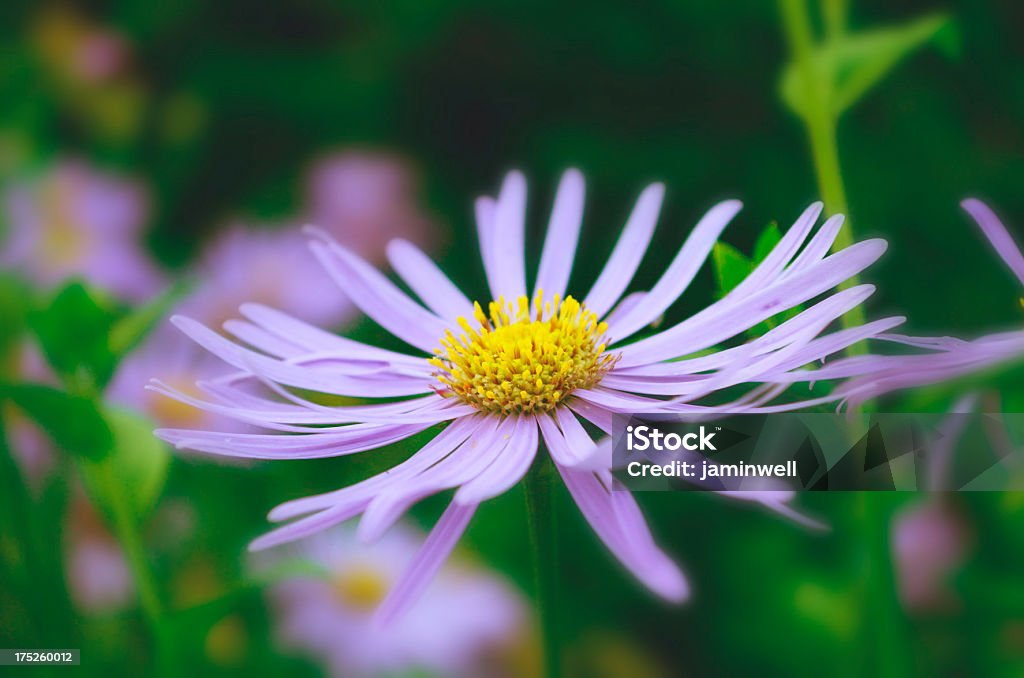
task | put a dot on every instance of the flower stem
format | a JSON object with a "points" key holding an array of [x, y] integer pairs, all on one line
{"points": [[820, 122], [881, 618], [540, 513], [126, 529], [882, 627]]}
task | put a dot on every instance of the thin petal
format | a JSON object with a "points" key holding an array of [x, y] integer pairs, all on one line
{"points": [[463, 465], [485, 208], [428, 281], [507, 469], [562, 238], [769, 269], [425, 564], [379, 298], [723, 320], [997, 234], [679, 274], [439, 447], [616, 519], [628, 252], [324, 381], [509, 251], [314, 339]]}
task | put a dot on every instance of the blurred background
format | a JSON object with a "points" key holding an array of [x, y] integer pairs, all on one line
{"points": [[159, 157]]}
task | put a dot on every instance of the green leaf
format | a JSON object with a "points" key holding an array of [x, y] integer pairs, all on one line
{"points": [[74, 423], [845, 69], [135, 470], [13, 312], [766, 242], [73, 333], [731, 267], [864, 59]]}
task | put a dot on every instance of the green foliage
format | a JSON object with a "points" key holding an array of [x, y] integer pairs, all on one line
{"points": [[732, 267], [845, 68], [13, 307], [73, 422], [84, 335], [135, 469], [73, 333]]}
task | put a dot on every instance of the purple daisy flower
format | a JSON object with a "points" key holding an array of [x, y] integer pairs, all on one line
{"points": [[948, 357], [462, 627], [531, 366], [79, 221]]}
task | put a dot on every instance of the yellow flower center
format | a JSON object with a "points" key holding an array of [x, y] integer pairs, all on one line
{"points": [[519, 358], [360, 587]]}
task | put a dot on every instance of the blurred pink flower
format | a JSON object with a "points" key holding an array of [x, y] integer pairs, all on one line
{"points": [[469, 617], [365, 199], [101, 54], [270, 267], [74, 47], [244, 265], [929, 542], [76, 220], [98, 576], [32, 449]]}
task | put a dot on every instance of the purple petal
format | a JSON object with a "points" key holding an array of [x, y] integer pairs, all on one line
{"points": [[997, 234], [507, 469], [464, 463], [628, 252], [314, 339], [509, 245], [616, 519], [424, 566], [430, 454], [768, 270], [378, 297], [486, 208], [352, 439], [680, 272], [723, 319], [428, 281], [562, 238]]}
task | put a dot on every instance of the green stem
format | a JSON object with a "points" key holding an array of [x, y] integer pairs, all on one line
{"points": [[125, 527], [538, 487], [127, 532], [820, 122], [881, 621], [882, 626]]}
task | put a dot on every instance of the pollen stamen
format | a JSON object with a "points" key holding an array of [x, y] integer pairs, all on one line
{"points": [[520, 357]]}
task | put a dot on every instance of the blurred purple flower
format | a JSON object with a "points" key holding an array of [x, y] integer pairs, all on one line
{"points": [[930, 542], [523, 371], [76, 48], [270, 267], [98, 576], [31, 448], [949, 357], [79, 221], [243, 265], [469, 618], [365, 199]]}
